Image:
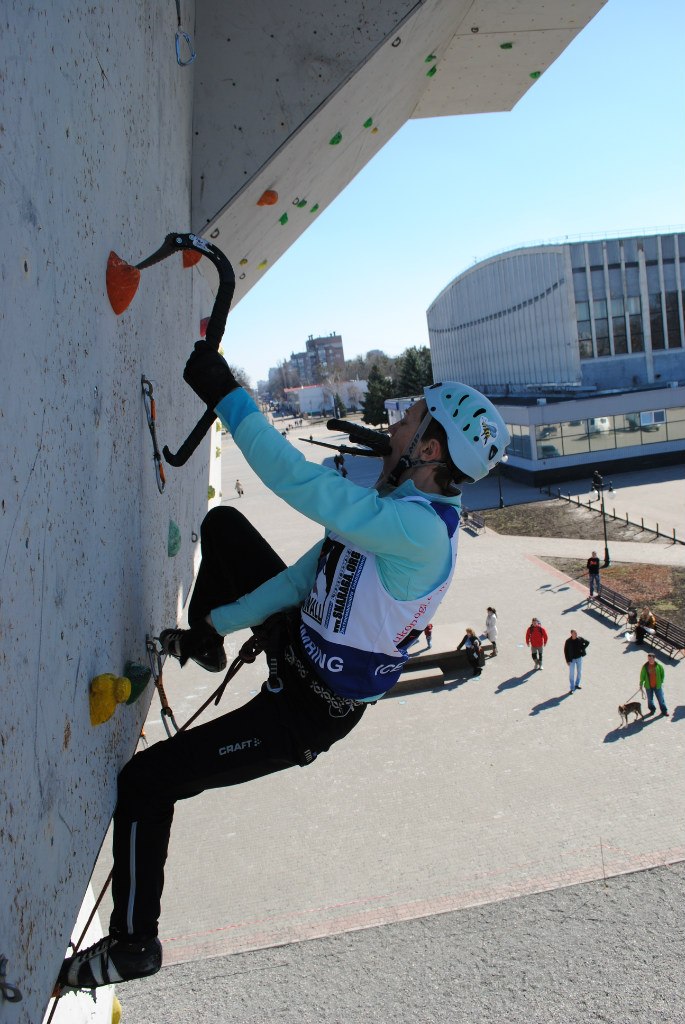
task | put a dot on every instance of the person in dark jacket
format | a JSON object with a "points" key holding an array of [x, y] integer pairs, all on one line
{"points": [[574, 652], [593, 573], [471, 644]]}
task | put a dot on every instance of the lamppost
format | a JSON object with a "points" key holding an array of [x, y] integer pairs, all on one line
{"points": [[598, 484]]}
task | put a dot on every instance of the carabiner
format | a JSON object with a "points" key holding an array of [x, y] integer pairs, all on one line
{"points": [[151, 414], [182, 36]]}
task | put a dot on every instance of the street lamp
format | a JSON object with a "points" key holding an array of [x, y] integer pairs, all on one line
{"points": [[598, 485]]}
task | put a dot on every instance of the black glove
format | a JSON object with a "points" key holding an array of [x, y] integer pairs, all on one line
{"points": [[209, 375]]}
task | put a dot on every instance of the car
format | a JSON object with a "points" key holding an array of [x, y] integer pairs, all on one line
{"points": [[548, 451]]}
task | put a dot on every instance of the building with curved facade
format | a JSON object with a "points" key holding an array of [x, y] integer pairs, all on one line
{"points": [[582, 346]]}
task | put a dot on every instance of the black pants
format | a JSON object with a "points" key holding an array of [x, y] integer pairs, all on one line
{"points": [[273, 731]]}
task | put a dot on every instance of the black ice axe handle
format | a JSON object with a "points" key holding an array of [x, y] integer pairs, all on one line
{"points": [[192, 441], [377, 441]]}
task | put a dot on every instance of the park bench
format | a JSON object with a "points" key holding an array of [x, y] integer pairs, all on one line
{"points": [[668, 636], [611, 603], [446, 661], [472, 521]]}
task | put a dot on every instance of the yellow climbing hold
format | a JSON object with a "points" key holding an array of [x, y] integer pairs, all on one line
{"points": [[106, 691], [260, 266], [243, 262], [116, 1011]]}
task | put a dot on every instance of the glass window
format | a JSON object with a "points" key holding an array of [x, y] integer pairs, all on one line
{"points": [[546, 430], [656, 321], [585, 331], [613, 251], [637, 341], [585, 348], [599, 307], [597, 278], [667, 246], [627, 430], [650, 245], [615, 282], [617, 307], [575, 437], [654, 432], [548, 450], [673, 321], [620, 335], [629, 249], [675, 424], [602, 438], [602, 333], [582, 310], [633, 304], [580, 285], [595, 254]]}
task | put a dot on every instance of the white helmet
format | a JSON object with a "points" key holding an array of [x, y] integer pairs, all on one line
{"points": [[477, 435]]}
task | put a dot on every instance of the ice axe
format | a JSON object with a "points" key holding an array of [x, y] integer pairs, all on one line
{"points": [[122, 284], [122, 278]]}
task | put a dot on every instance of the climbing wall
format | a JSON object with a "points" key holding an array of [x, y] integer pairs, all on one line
{"points": [[109, 142], [291, 104], [96, 140]]}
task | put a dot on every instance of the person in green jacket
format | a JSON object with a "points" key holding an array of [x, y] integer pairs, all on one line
{"points": [[652, 682]]}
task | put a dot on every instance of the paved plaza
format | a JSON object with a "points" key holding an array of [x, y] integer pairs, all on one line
{"points": [[455, 798]]}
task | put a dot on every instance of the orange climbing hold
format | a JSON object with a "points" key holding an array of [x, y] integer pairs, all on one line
{"points": [[122, 283], [268, 198], [191, 257]]}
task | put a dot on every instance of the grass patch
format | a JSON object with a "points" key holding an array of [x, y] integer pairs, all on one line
{"points": [[659, 587]]}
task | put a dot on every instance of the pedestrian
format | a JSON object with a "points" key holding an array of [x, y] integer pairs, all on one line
{"points": [[652, 682], [646, 626], [428, 633], [471, 645], [491, 629], [536, 639], [574, 652], [593, 573], [598, 483], [239, 488], [353, 601]]}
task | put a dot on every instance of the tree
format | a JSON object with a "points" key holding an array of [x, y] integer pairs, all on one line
{"points": [[415, 372], [373, 405], [340, 406]]}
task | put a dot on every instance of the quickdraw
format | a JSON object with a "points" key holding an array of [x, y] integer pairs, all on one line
{"points": [[182, 36], [151, 413]]}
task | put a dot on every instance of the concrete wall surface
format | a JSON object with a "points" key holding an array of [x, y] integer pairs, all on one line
{"points": [[95, 142]]}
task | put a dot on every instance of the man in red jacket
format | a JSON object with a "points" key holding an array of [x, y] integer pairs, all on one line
{"points": [[536, 639]]}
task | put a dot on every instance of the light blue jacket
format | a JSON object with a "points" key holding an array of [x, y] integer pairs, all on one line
{"points": [[409, 538]]}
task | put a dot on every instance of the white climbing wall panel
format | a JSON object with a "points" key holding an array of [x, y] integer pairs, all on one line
{"points": [[107, 143]]}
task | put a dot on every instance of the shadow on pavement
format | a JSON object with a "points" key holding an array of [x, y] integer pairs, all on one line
{"points": [[546, 705]]}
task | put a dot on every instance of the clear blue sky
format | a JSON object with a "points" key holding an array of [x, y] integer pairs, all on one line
{"points": [[597, 145]]}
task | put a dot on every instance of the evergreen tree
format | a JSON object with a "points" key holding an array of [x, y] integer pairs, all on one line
{"points": [[415, 372], [340, 406], [379, 388]]}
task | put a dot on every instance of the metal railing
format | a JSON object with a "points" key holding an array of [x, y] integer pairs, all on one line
{"points": [[575, 499]]}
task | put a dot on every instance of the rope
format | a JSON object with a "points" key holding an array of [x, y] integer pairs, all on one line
{"points": [[246, 656]]}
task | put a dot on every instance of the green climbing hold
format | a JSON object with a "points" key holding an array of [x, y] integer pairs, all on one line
{"points": [[506, 46], [139, 677], [429, 58], [368, 122], [429, 74], [314, 208], [283, 219], [173, 543], [211, 493], [535, 74], [301, 204], [337, 139]]}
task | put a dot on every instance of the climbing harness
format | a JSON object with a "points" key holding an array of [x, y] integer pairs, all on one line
{"points": [[183, 37], [151, 413]]}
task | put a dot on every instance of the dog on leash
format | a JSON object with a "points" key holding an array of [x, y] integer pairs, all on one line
{"points": [[633, 707]]}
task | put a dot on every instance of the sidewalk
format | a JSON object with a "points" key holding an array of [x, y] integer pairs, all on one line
{"points": [[455, 796]]}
